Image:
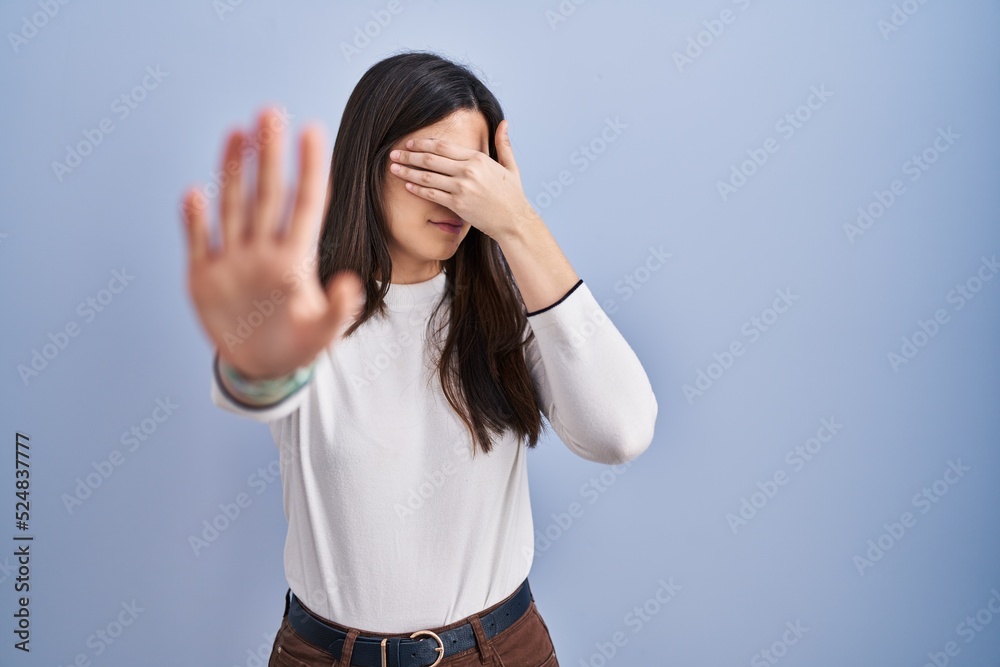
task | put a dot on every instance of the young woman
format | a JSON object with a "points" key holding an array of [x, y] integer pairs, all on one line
{"points": [[404, 377]]}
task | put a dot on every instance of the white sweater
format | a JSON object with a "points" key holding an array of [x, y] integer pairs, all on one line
{"points": [[392, 525]]}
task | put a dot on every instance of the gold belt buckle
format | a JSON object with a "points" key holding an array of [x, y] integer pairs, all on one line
{"points": [[439, 648]]}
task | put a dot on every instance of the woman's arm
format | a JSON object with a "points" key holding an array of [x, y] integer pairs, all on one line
{"points": [[590, 383], [542, 272], [262, 401], [592, 387], [244, 275]]}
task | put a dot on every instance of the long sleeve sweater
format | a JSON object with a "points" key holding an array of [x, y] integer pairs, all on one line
{"points": [[393, 525]]}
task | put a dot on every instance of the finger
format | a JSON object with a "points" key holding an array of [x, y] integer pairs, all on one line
{"points": [[429, 160], [505, 152], [428, 179], [440, 147], [432, 194], [196, 226], [312, 188], [270, 137], [345, 299], [231, 205]]}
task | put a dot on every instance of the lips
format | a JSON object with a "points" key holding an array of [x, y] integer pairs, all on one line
{"points": [[450, 225]]}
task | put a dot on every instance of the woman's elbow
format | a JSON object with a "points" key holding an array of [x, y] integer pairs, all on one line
{"points": [[639, 435]]}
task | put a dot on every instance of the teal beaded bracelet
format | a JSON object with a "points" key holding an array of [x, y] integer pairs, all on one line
{"points": [[270, 390]]}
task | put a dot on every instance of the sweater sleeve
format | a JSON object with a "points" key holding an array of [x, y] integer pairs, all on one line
{"points": [[591, 386], [222, 397]]}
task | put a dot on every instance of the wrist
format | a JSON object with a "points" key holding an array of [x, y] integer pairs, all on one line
{"points": [[263, 390], [523, 231]]}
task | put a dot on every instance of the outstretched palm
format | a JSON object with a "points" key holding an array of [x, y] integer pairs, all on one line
{"points": [[264, 311]]}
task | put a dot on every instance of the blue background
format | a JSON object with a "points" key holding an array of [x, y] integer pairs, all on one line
{"points": [[670, 515]]}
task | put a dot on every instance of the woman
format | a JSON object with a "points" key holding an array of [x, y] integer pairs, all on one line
{"points": [[442, 319]]}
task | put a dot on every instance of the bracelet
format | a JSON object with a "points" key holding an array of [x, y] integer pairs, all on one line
{"points": [[270, 390]]}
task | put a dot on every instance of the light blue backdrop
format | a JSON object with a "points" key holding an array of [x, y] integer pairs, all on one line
{"points": [[822, 485]]}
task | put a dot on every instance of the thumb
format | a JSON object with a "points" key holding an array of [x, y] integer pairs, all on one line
{"points": [[345, 298], [505, 152]]}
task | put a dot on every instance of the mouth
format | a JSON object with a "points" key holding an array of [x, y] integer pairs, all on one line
{"points": [[450, 225]]}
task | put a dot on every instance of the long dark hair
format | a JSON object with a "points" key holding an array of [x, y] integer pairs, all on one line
{"points": [[481, 365]]}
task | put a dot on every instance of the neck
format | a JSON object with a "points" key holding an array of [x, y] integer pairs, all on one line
{"points": [[405, 275]]}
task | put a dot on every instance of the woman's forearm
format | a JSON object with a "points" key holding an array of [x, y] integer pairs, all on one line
{"points": [[542, 272]]}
